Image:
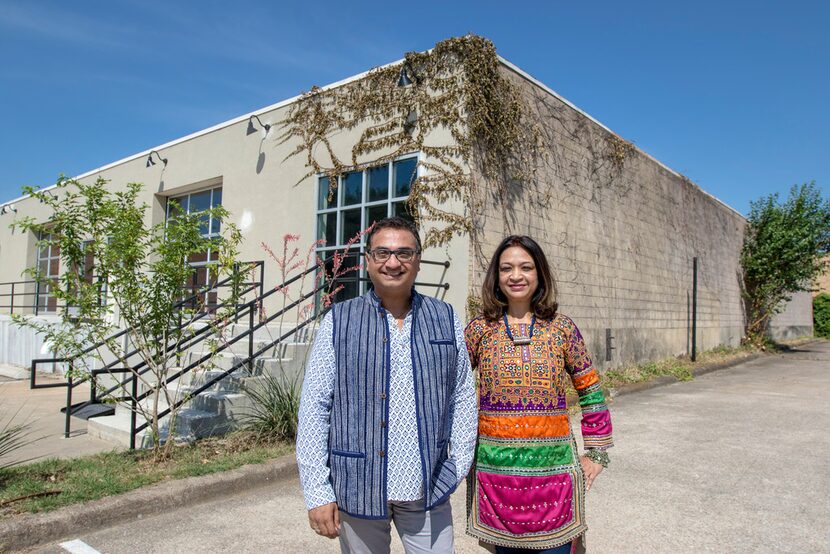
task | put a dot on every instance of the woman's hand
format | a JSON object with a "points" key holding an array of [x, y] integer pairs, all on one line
{"points": [[591, 469]]}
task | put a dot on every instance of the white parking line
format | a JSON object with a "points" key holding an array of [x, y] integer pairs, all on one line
{"points": [[78, 546]]}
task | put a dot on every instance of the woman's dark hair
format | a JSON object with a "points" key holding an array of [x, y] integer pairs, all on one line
{"points": [[543, 303]]}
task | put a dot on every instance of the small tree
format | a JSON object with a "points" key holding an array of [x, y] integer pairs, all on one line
{"points": [[142, 272], [783, 252]]}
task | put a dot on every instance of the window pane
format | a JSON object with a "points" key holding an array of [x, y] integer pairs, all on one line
{"points": [[347, 277], [351, 225], [204, 223], [404, 175], [375, 213], [353, 185], [198, 258], [199, 201], [176, 206], [378, 183], [323, 200], [401, 209], [215, 225], [327, 228], [217, 197], [348, 291]]}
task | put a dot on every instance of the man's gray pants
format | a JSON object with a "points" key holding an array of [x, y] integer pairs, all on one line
{"points": [[420, 532]]}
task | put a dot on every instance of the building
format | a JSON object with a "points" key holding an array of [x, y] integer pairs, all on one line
{"points": [[622, 229]]}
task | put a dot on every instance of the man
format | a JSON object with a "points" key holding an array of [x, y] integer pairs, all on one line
{"points": [[388, 411]]}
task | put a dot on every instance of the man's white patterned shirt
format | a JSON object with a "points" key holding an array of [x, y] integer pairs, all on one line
{"points": [[404, 469]]}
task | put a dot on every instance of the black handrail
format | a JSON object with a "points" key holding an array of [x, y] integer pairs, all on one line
{"points": [[110, 368], [11, 294], [179, 304], [70, 383], [249, 360], [248, 309]]}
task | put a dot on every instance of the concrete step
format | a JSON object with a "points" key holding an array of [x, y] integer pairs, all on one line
{"points": [[191, 424], [273, 331]]}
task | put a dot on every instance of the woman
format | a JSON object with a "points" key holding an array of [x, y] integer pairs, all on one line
{"points": [[526, 492]]}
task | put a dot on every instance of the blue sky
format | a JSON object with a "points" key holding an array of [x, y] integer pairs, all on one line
{"points": [[731, 94]]}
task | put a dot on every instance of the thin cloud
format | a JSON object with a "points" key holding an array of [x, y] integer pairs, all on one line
{"points": [[56, 24]]}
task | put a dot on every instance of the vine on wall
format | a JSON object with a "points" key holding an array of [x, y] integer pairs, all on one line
{"points": [[457, 89]]}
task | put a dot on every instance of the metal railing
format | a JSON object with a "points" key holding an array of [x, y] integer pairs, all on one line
{"points": [[140, 367], [14, 296], [247, 310]]}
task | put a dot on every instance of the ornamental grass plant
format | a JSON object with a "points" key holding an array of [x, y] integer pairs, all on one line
{"points": [[275, 405]]}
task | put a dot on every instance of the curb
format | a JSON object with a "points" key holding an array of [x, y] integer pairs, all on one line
{"points": [[29, 530]]}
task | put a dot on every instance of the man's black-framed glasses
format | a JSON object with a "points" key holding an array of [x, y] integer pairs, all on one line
{"points": [[404, 255]]}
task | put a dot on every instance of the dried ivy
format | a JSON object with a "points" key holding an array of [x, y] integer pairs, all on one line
{"points": [[458, 89]]}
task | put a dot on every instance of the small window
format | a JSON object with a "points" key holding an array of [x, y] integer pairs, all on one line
{"points": [[195, 203], [48, 267]]}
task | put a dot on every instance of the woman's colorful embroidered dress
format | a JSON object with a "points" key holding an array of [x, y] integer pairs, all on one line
{"points": [[526, 488]]}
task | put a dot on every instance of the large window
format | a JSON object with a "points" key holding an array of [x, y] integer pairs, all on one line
{"points": [[48, 267], [356, 201], [195, 203]]}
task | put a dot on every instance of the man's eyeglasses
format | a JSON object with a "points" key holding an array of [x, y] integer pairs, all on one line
{"points": [[404, 255]]}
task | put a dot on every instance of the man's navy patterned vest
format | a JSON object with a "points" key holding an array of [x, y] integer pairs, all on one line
{"points": [[358, 439]]}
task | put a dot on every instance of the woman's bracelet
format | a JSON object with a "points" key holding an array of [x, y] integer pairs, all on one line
{"points": [[598, 456]]}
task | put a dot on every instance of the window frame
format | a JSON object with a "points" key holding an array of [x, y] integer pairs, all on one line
{"points": [[42, 297], [391, 202]]}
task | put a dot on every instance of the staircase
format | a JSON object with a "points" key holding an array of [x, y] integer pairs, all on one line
{"points": [[218, 361], [221, 407]]}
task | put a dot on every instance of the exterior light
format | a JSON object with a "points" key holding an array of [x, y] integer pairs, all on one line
{"points": [[251, 129], [150, 159], [403, 78]]}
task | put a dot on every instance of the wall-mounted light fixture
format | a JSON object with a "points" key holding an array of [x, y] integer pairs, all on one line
{"points": [[8, 208], [150, 159], [407, 76], [251, 129]]}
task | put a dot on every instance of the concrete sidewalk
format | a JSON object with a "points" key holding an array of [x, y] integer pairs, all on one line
{"points": [[40, 409]]}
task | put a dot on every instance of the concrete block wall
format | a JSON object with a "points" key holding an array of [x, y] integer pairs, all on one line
{"points": [[791, 322], [621, 235]]}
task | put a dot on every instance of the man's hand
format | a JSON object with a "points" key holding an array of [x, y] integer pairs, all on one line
{"points": [[591, 469], [325, 520]]}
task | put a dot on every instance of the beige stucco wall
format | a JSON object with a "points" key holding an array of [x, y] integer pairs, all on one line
{"points": [[622, 239], [265, 193]]}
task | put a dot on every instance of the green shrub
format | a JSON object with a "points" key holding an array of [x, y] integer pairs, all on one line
{"points": [[275, 407], [821, 315]]}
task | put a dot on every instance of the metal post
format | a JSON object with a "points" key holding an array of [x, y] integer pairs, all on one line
{"points": [[68, 403], [694, 308], [235, 294], [251, 337], [134, 408], [261, 278], [92, 387], [11, 302]]}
